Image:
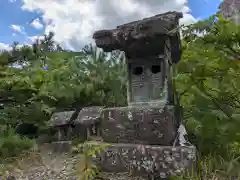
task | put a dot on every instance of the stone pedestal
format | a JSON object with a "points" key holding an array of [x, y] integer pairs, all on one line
{"points": [[142, 160], [139, 125], [58, 146]]}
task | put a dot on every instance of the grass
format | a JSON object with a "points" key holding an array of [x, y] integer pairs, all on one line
{"points": [[215, 168], [11, 144]]}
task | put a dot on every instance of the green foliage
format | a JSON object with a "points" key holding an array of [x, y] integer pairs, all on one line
{"points": [[214, 167], [208, 80], [12, 144], [51, 79], [31, 93]]}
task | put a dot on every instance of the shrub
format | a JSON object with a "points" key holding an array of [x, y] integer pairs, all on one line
{"points": [[12, 144]]}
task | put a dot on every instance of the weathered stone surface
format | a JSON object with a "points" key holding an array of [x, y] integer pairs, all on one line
{"points": [[63, 133], [162, 161], [87, 122], [58, 146], [139, 125], [120, 176], [61, 118], [144, 37], [79, 132], [230, 8], [89, 115], [147, 81]]}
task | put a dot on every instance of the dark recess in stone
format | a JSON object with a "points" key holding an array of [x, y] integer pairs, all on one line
{"points": [[156, 69], [138, 70]]}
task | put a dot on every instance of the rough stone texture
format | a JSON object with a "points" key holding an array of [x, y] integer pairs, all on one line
{"points": [[144, 37], [146, 79], [121, 176], [87, 122], [61, 118], [89, 115], [59, 146], [229, 8], [140, 125], [162, 161], [79, 132]]}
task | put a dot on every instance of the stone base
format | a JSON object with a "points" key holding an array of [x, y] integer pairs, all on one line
{"points": [[59, 146], [139, 125], [145, 160], [120, 176]]}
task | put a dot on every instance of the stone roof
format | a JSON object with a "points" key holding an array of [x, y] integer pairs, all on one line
{"points": [[61, 118], [89, 115], [142, 38]]}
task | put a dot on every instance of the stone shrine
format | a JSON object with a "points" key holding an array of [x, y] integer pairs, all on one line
{"points": [[82, 123], [144, 136], [60, 120]]}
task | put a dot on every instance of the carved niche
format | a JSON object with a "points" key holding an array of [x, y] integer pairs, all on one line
{"points": [[146, 79]]}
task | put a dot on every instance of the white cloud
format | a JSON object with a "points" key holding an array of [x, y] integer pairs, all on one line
{"points": [[74, 21], [34, 38], [12, 1], [37, 24], [18, 28], [4, 46]]}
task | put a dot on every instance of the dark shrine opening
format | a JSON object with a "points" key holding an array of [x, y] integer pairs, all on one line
{"points": [[138, 70], [156, 69]]}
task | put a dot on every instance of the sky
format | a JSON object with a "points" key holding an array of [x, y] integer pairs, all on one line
{"points": [[74, 21]]}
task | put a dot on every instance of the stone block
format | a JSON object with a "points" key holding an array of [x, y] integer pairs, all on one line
{"points": [[89, 115], [142, 160], [61, 118], [139, 125], [144, 37], [58, 146], [87, 122]]}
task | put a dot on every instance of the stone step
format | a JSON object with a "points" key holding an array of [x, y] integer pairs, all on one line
{"points": [[58, 146], [143, 160], [121, 176], [152, 125]]}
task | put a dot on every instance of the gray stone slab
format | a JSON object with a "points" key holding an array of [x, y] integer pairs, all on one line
{"points": [[139, 125], [58, 146], [160, 161], [61, 118], [89, 115]]}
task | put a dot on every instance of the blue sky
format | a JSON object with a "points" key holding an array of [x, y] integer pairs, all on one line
{"points": [[11, 13], [203, 8], [16, 24]]}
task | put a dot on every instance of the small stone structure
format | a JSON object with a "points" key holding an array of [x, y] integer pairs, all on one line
{"points": [[146, 136], [60, 121], [73, 124], [88, 119]]}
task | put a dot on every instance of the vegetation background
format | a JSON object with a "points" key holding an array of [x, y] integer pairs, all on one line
{"points": [[40, 79]]}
